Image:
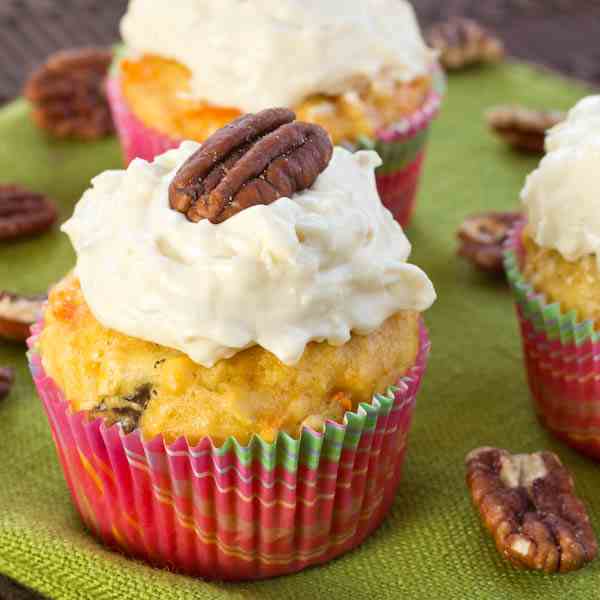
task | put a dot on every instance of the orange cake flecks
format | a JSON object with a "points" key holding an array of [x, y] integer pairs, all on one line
{"points": [[574, 284], [157, 91]]}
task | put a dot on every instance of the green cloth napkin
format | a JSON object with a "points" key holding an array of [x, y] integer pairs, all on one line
{"points": [[432, 545]]}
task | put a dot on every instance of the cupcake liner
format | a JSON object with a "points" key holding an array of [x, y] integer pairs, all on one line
{"points": [[562, 359], [401, 146], [137, 140], [235, 512]]}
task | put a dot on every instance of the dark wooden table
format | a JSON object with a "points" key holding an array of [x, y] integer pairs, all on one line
{"points": [[560, 34]]}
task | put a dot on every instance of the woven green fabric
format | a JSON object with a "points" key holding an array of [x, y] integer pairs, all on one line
{"points": [[432, 545]]}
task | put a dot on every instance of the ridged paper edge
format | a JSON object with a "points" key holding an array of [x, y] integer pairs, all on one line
{"points": [[317, 479], [546, 317]]}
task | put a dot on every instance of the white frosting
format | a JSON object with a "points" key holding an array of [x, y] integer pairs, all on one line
{"points": [[255, 54], [562, 196], [315, 267]]}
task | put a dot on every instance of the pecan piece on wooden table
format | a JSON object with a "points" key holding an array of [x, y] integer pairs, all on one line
{"points": [[18, 313], [24, 213], [256, 159], [7, 379], [68, 96], [528, 503], [523, 128], [464, 42], [482, 238]]}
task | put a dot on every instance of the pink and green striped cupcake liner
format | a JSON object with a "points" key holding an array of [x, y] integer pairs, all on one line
{"points": [[562, 359], [401, 147], [235, 512]]}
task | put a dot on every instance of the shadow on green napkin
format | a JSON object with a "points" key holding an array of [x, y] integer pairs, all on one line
{"points": [[432, 545]]}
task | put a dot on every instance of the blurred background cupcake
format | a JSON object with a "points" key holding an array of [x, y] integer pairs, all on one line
{"points": [[238, 384], [358, 68], [553, 264]]}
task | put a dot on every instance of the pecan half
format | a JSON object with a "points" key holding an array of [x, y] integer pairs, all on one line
{"points": [[523, 128], [18, 313], [528, 503], [68, 96], [7, 379], [482, 238], [24, 213], [464, 42], [256, 159], [126, 410]]}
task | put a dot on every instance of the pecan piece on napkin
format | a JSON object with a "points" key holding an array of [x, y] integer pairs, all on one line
{"points": [[24, 213], [528, 503], [464, 42], [7, 379], [17, 314], [256, 159], [523, 128], [68, 96], [126, 410], [482, 238]]}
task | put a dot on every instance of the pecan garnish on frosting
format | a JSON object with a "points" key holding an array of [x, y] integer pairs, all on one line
{"points": [[528, 503], [256, 159]]}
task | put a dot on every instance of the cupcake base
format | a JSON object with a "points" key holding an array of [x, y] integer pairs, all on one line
{"points": [[235, 512], [561, 359], [401, 147]]}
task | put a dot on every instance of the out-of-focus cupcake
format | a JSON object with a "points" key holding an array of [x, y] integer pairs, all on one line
{"points": [[553, 264], [230, 371], [359, 68]]}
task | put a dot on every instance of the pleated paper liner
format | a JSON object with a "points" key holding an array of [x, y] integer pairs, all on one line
{"points": [[235, 512], [401, 147], [562, 358]]}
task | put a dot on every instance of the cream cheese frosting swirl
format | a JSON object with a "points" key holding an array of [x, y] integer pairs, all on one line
{"points": [[329, 261], [252, 54], [562, 196]]}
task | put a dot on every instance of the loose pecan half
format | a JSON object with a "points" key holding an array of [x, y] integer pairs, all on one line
{"points": [[482, 238], [528, 503], [126, 410], [18, 313], [256, 159], [7, 379], [464, 42], [23, 212], [523, 128], [68, 96]]}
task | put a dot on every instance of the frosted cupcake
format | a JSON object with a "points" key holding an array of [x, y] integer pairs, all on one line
{"points": [[235, 359], [360, 69], [553, 263]]}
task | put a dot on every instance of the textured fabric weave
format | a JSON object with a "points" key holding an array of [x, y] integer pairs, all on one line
{"points": [[432, 545]]}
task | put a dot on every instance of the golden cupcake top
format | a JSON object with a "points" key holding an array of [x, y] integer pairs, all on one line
{"points": [[159, 390], [313, 256]]}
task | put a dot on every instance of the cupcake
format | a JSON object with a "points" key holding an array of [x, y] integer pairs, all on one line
{"points": [[230, 370], [358, 68], [553, 264]]}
